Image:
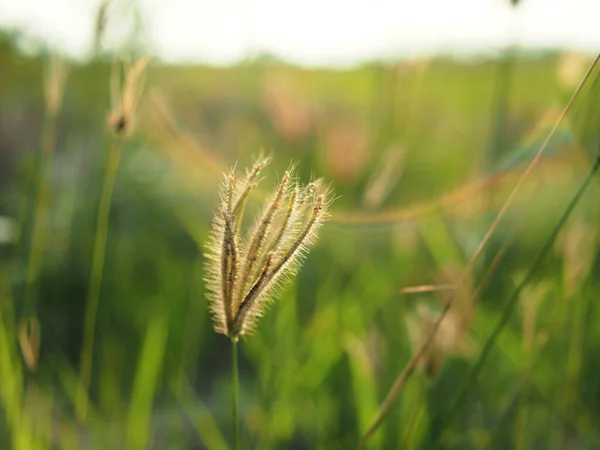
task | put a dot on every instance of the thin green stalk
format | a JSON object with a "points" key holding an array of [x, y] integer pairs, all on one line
{"points": [[472, 378], [18, 425], [236, 395], [41, 208], [146, 381], [81, 401]]}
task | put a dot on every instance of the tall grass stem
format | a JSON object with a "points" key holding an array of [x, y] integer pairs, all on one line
{"points": [[236, 394], [96, 277], [41, 208]]}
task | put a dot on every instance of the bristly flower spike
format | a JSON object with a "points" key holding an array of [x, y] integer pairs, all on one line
{"points": [[244, 272]]}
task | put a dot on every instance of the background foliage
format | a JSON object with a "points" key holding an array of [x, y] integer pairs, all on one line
{"points": [[422, 155]]}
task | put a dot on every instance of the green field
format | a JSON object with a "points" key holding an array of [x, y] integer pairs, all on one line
{"points": [[421, 156]]}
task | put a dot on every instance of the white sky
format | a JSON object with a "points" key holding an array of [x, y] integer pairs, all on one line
{"points": [[319, 32]]}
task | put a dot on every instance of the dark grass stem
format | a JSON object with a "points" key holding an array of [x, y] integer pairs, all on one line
{"points": [[235, 394], [412, 364], [98, 257], [508, 309]]}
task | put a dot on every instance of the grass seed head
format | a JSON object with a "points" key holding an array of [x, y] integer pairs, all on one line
{"points": [[29, 341], [55, 79], [127, 84], [244, 270]]}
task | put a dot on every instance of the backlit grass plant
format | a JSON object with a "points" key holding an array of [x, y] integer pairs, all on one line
{"points": [[244, 269], [126, 87]]}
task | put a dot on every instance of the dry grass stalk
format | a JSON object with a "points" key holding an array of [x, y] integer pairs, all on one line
{"points": [[243, 273], [427, 288]]}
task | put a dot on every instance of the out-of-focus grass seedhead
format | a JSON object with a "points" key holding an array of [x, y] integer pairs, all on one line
{"points": [[29, 341], [126, 87], [243, 272], [54, 85]]}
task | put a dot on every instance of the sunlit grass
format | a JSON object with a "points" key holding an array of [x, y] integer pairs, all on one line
{"points": [[317, 370]]}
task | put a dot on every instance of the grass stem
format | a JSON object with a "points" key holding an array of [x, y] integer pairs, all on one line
{"points": [[96, 277], [41, 209], [236, 394]]}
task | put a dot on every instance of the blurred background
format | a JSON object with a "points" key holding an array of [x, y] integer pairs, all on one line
{"points": [[421, 115]]}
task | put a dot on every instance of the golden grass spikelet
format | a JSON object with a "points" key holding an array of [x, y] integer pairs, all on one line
{"points": [[126, 87], [54, 85], [29, 341], [243, 271]]}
